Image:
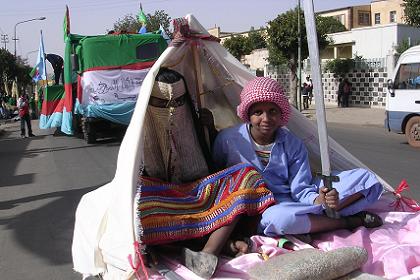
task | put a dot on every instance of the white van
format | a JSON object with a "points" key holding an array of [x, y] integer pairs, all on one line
{"points": [[403, 98]]}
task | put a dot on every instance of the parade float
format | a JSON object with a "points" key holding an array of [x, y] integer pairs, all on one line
{"points": [[108, 234], [102, 79]]}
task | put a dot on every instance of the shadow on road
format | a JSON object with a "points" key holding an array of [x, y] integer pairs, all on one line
{"points": [[47, 232]]}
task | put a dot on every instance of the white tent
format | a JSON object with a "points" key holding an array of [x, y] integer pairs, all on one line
{"points": [[106, 224]]}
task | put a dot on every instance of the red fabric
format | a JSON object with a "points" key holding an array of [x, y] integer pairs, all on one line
{"points": [[23, 109], [50, 107], [401, 201], [263, 89]]}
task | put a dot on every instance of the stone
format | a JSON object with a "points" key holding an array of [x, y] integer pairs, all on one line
{"points": [[311, 264]]}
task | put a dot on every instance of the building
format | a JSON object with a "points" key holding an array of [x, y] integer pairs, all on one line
{"points": [[373, 31], [387, 11], [351, 17]]}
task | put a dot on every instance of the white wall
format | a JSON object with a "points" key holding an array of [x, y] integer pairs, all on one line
{"points": [[376, 41], [257, 59]]}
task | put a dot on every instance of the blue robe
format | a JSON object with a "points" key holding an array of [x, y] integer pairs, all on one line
{"points": [[289, 177]]}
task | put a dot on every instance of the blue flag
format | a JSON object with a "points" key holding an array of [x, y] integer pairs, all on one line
{"points": [[39, 72], [164, 35]]}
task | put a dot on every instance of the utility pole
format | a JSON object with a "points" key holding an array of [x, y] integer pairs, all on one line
{"points": [[4, 40], [299, 61]]}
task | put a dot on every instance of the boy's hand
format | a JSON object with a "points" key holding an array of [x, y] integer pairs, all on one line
{"points": [[328, 198]]}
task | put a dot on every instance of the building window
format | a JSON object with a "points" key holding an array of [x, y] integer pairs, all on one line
{"points": [[393, 16], [364, 18], [340, 18], [377, 18]]}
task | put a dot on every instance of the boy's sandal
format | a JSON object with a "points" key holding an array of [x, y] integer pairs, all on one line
{"points": [[363, 218], [201, 263]]}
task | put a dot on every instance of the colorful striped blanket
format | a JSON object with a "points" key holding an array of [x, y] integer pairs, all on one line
{"points": [[172, 212]]}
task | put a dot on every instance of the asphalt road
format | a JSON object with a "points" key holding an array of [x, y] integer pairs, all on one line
{"points": [[43, 178], [386, 153], [41, 182]]}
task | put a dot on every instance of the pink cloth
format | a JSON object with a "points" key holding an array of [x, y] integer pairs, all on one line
{"points": [[394, 248]]}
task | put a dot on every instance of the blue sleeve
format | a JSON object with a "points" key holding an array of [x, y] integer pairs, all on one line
{"points": [[300, 176]]}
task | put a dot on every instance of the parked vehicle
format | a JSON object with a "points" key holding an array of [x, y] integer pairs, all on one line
{"points": [[110, 70], [403, 97]]}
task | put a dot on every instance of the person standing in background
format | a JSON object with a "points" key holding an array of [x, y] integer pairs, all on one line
{"points": [[23, 106], [346, 93], [310, 89], [340, 92]]}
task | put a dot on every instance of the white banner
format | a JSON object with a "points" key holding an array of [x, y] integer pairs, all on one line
{"points": [[111, 86]]}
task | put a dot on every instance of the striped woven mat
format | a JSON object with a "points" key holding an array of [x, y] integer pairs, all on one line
{"points": [[173, 212]]}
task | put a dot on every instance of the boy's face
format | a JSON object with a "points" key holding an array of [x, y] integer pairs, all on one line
{"points": [[265, 118]]}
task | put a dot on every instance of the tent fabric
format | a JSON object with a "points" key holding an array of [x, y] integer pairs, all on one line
{"points": [[106, 227]]}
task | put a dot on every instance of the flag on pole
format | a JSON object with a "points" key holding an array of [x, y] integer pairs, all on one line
{"points": [[143, 20], [39, 72], [141, 16], [66, 23], [164, 35]]}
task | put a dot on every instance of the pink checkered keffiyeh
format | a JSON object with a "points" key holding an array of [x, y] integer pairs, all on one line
{"points": [[263, 89]]}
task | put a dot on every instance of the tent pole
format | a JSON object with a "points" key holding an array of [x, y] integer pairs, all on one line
{"points": [[319, 99], [199, 88], [197, 70]]}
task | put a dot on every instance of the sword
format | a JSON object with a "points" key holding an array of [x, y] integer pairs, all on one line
{"points": [[308, 8]]}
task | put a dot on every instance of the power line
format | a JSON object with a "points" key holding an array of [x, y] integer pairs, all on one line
{"points": [[4, 40]]}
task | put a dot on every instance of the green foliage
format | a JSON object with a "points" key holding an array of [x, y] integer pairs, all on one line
{"points": [[256, 40], [129, 23], [340, 66], [412, 12], [283, 37], [283, 41], [237, 46], [405, 45], [12, 68], [240, 45], [327, 25], [8, 65], [159, 18]]}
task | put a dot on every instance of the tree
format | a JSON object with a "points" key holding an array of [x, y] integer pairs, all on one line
{"points": [[412, 12], [327, 25], [130, 23], [256, 40], [157, 19], [237, 46], [7, 69], [11, 69], [282, 35]]}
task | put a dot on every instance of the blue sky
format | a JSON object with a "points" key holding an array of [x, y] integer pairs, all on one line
{"points": [[91, 17]]}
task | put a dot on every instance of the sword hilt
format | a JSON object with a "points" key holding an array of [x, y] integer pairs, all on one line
{"points": [[328, 183]]}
